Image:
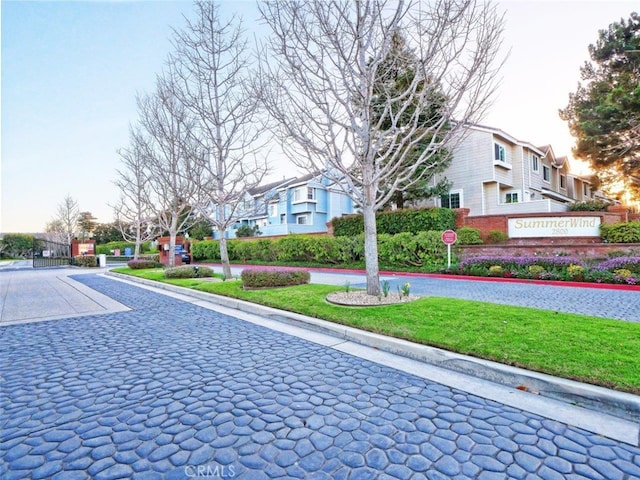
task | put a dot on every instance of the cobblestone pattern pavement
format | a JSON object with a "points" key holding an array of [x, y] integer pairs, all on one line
{"points": [[172, 390]]}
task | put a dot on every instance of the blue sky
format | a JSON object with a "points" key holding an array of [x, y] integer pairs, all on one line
{"points": [[71, 70]]}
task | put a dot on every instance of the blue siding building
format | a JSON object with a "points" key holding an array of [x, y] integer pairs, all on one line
{"points": [[294, 205]]}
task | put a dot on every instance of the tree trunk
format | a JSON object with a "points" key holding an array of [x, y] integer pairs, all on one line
{"points": [[136, 251], [371, 250], [224, 255], [173, 231]]}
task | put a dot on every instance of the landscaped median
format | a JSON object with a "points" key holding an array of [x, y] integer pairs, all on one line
{"points": [[587, 349]]}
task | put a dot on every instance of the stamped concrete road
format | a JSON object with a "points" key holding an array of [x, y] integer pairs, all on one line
{"points": [[154, 386]]}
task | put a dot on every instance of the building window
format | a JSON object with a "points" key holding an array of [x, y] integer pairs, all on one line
{"points": [[273, 209], [499, 153], [301, 220], [311, 193], [451, 200], [535, 163], [512, 197], [563, 181], [546, 173], [283, 218], [585, 189]]}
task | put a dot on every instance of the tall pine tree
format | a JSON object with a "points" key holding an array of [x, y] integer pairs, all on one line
{"points": [[604, 112]]}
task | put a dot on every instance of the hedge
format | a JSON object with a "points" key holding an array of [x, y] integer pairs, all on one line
{"points": [[274, 278], [404, 249], [187, 271], [141, 264], [106, 248], [621, 232], [398, 221], [85, 261]]}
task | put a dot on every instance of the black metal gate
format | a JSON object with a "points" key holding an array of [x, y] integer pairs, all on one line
{"points": [[50, 254]]}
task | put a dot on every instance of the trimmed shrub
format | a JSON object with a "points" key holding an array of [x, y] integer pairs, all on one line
{"points": [[273, 278], [206, 250], [497, 236], [294, 248], [398, 221], [247, 231], [495, 270], [575, 271], [589, 206], [265, 250], [153, 257], [141, 264], [85, 261], [188, 271], [106, 248], [412, 250], [537, 269], [621, 232], [469, 236]]}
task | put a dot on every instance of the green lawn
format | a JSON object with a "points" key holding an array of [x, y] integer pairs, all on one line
{"points": [[588, 349]]}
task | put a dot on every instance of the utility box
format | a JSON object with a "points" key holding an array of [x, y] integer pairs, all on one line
{"points": [[102, 260]]}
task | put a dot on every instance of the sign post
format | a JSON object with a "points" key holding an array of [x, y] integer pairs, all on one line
{"points": [[449, 237]]}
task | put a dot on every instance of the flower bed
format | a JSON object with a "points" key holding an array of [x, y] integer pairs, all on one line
{"points": [[621, 270]]}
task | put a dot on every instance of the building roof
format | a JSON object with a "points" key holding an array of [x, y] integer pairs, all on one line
{"points": [[261, 189]]}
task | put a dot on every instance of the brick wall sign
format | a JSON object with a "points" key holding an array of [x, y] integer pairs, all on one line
{"points": [[531, 227]]}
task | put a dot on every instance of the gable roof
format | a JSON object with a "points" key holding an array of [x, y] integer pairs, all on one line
{"points": [[262, 189]]}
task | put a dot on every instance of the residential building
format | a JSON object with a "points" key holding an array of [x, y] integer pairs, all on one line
{"points": [[293, 205], [494, 173]]}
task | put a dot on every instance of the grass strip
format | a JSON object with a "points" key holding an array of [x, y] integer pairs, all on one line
{"points": [[587, 349]]}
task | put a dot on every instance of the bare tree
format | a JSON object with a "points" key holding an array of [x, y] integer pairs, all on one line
{"points": [[54, 231], [320, 69], [134, 213], [66, 219], [173, 158], [213, 65]]}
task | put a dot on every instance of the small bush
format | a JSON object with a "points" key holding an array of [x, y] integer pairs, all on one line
{"points": [[497, 236], [85, 261], [536, 270], [623, 273], [274, 278], [247, 231], [188, 271], [575, 271], [495, 270], [469, 236], [141, 264], [621, 232], [589, 206]]}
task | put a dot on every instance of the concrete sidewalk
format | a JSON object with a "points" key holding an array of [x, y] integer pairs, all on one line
{"points": [[28, 294]]}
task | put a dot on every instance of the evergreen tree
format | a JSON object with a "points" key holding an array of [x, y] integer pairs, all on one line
{"points": [[389, 110], [604, 112]]}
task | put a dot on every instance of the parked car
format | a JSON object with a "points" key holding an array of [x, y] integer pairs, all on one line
{"points": [[186, 258]]}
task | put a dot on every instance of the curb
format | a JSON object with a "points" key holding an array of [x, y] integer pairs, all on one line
{"points": [[596, 400]]}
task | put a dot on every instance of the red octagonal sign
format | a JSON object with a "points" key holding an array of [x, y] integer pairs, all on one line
{"points": [[449, 237]]}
